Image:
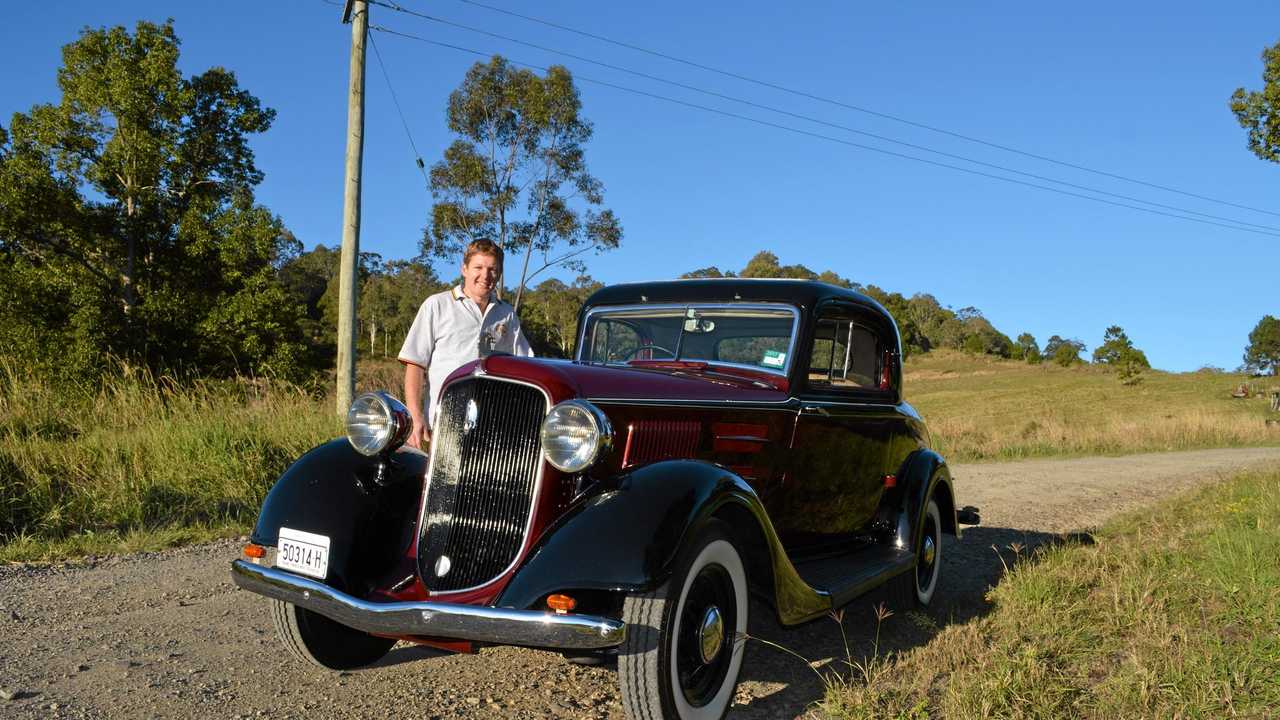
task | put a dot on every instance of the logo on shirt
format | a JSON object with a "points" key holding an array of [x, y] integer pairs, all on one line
{"points": [[490, 338]]}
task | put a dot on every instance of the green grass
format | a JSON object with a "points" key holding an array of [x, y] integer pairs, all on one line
{"points": [[984, 408], [1173, 613], [142, 462]]}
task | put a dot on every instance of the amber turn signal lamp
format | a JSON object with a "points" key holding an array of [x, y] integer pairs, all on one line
{"points": [[257, 552], [561, 603]]}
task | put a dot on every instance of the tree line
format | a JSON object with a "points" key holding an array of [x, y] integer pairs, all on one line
{"points": [[130, 229], [391, 292], [129, 226], [926, 324]]}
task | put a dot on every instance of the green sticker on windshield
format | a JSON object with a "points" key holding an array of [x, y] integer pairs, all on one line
{"points": [[773, 358]]}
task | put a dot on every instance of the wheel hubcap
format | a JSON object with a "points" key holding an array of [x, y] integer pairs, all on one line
{"points": [[707, 621], [930, 551], [711, 635]]}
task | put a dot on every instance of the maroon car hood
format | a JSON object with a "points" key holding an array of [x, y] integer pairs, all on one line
{"points": [[694, 381]]}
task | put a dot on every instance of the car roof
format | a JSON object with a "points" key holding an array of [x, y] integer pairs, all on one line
{"points": [[803, 293]]}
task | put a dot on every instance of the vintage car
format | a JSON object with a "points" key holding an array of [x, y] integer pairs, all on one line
{"points": [[710, 439]]}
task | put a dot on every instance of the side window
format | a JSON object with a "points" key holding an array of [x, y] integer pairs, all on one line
{"points": [[846, 356]]}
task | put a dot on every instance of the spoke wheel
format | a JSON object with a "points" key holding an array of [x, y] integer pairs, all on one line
{"points": [[683, 649]]}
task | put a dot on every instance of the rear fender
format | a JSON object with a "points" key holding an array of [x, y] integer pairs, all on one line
{"points": [[332, 491], [624, 535], [925, 474]]}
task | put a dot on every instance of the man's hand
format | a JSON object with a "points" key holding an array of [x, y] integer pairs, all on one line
{"points": [[420, 435]]}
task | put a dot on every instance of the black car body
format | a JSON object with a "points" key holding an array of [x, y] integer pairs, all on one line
{"points": [[711, 438]]}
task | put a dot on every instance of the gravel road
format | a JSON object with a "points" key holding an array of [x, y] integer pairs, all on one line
{"points": [[168, 635]]}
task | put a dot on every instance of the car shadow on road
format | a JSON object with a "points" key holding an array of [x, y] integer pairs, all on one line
{"points": [[406, 653], [781, 685]]}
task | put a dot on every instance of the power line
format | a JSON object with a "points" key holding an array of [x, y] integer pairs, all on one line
{"points": [[417, 157], [868, 111], [390, 4], [829, 138]]}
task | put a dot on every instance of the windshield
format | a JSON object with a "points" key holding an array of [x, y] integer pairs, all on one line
{"points": [[755, 336]]}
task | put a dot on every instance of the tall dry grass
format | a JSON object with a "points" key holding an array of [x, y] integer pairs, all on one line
{"points": [[81, 468], [988, 409]]}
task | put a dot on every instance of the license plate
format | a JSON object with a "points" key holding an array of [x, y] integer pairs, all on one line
{"points": [[303, 552]]}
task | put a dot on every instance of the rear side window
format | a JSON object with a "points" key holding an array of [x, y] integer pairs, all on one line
{"points": [[845, 356]]}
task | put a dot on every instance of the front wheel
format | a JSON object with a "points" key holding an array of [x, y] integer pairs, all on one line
{"points": [[314, 638], [685, 639]]}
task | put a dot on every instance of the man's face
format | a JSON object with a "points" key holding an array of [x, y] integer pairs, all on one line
{"points": [[480, 274]]}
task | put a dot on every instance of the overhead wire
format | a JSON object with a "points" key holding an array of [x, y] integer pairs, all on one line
{"points": [[417, 157], [829, 138], [391, 5], [865, 110], [396, 7]]}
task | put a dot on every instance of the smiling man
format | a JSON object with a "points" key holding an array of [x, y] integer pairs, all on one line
{"points": [[455, 327]]}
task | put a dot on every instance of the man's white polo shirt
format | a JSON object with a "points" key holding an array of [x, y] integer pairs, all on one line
{"points": [[450, 331]]}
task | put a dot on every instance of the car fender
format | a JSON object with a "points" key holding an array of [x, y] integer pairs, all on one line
{"points": [[923, 474], [334, 491], [625, 533]]}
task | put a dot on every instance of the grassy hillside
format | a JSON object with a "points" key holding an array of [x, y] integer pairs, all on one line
{"points": [[1173, 612], [985, 408], [142, 462]]}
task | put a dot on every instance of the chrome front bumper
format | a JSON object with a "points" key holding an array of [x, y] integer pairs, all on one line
{"points": [[501, 626]]}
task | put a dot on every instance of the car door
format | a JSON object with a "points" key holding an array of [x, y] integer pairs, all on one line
{"points": [[843, 432]]}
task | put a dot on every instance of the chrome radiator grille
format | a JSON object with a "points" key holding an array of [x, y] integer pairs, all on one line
{"points": [[486, 460]]}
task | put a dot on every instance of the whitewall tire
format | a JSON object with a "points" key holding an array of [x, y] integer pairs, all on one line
{"points": [[684, 643]]}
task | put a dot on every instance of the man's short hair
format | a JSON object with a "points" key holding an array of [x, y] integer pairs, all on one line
{"points": [[483, 246]]}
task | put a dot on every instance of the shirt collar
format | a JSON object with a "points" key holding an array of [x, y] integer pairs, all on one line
{"points": [[458, 295]]}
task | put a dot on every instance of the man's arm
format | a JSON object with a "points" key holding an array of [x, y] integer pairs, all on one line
{"points": [[519, 343], [419, 344], [420, 436]]}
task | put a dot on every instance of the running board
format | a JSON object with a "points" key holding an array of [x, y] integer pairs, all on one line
{"points": [[968, 515], [845, 577]]}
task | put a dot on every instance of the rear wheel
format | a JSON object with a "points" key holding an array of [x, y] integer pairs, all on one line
{"points": [[684, 640], [917, 588], [314, 638]]}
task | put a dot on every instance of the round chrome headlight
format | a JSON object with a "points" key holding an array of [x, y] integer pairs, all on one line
{"points": [[575, 434], [377, 422]]}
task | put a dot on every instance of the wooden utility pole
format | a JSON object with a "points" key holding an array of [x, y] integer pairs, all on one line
{"points": [[355, 12]]}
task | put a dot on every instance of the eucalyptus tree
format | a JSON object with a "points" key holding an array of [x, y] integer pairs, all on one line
{"points": [[517, 172]]}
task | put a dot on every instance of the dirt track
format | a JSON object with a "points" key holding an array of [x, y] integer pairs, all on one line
{"points": [[167, 635]]}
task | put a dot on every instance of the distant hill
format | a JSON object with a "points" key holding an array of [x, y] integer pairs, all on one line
{"points": [[983, 407]]}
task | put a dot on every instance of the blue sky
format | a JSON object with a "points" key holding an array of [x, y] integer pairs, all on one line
{"points": [[1137, 88]]}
